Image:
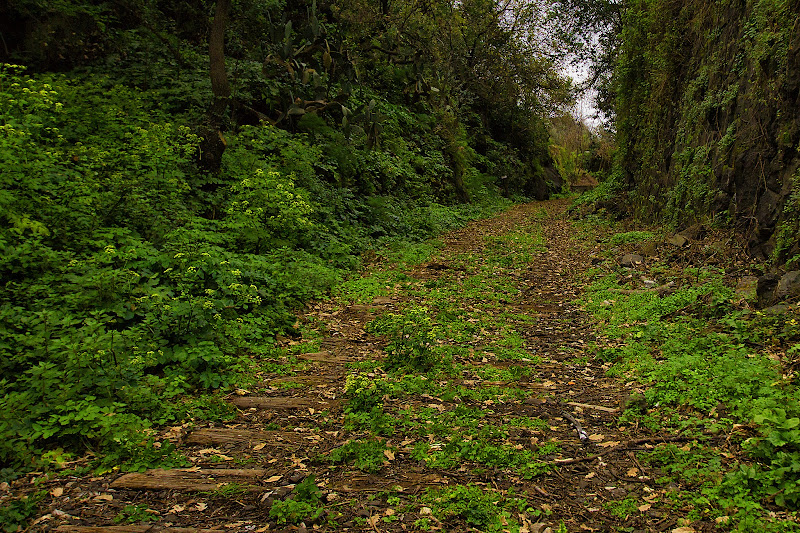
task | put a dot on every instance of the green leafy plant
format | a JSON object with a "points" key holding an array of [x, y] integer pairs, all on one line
{"points": [[477, 507], [302, 505], [412, 336], [16, 513], [368, 455], [136, 513]]}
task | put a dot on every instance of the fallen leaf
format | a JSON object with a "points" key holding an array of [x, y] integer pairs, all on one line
{"points": [[42, 519], [596, 437], [590, 475], [177, 509], [608, 444], [389, 512], [201, 506], [259, 446], [273, 479], [103, 498], [633, 472], [207, 451], [683, 530], [389, 454], [425, 510], [645, 507], [56, 492]]}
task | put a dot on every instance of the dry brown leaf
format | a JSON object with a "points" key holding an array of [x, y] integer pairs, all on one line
{"points": [[177, 509], [596, 437], [273, 479], [389, 454], [259, 446], [608, 444], [56, 492], [200, 506], [683, 530], [633, 472], [103, 498], [208, 451], [645, 507]]}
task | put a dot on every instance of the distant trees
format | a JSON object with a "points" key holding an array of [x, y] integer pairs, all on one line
{"points": [[588, 32]]}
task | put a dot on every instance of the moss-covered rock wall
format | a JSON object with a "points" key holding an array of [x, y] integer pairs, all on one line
{"points": [[709, 116]]}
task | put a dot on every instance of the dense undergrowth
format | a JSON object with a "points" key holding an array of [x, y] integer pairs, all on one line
{"points": [[709, 366], [135, 285], [177, 179]]}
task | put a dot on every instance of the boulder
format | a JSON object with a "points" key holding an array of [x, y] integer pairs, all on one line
{"points": [[788, 286], [765, 289], [631, 260], [773, 288], [678, 240], [694, 232]]}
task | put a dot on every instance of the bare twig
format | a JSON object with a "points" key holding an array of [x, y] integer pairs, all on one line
{"points": [[595, 407], [627, 446]]}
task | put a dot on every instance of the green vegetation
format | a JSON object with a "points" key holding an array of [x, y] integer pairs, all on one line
{"points": [[367, 455], [707, 368], [15, 513], [161, 220], [303, 505], [484, 509], [136, 513], [702, 96]]}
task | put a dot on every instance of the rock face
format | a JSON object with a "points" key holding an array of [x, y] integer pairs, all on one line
{"points": [[788, 286], [774, 288], [709, 116]]}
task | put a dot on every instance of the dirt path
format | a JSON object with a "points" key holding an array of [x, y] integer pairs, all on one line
{"points": [[487, 442]]}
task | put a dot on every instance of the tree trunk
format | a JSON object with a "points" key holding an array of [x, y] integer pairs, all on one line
{"points": [[216, 52], [213, 144]]}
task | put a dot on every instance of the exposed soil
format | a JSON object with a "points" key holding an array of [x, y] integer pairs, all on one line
{"points": [[567, 390]]}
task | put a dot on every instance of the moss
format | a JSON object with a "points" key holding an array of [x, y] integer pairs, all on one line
{"points": [[706, 116]]}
